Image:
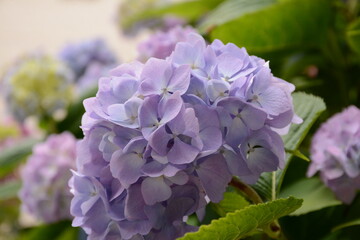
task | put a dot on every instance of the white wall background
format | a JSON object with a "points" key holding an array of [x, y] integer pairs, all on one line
{"points": [[28, 25]]}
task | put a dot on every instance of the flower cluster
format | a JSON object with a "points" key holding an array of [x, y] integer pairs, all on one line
{"points": [[162, 43], [165, 137], [38, 85], [335, 152], [45, 193], [88, 60]]}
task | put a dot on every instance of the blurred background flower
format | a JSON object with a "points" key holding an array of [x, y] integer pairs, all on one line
{"points": [[162, 43], [45, 193], [38, 85], [335, 153], [88, 60]]}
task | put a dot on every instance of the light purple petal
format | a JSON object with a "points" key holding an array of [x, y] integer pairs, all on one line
{"points": [[214, 176], [155, 190], [182, 153]]}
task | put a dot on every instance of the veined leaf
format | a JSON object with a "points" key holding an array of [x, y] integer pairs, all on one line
{"points": [[314, 193], [244, 222], [283, 25], [309, 108]]}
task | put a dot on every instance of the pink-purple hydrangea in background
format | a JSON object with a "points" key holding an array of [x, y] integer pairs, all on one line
{"points": [[45, 193], [162, 43], [335, 153], [164, 138]]}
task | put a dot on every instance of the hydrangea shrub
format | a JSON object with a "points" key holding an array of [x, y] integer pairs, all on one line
{"points": [[335, 153], [164, 138], [45, 193]]}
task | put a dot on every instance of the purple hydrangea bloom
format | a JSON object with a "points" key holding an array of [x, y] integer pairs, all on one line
{"points": [[164, 138], [89, 60], [162, 43], [45, 193], [335, 153]]}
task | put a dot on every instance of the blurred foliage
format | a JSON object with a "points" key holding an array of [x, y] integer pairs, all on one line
{"points": [[314, 193], [311, 43], [12, 156]]}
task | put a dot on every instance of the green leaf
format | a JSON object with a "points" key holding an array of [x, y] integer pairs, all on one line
{"points": [[231, 202], [353, 35], [9, 189], [280, 26], [189, 10], [11, 157], [244, 222], [230, 10], [309, 108], [315, 194], [298, 154], [347, 224], [69, 233], [76, 110], [46, 232]]}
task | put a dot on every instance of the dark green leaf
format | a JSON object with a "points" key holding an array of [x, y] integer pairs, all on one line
{"points": [[284, 25], [244, 222], [46, 232], [76, 110], [314, 193]]}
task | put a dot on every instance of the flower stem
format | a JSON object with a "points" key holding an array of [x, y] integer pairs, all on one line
{"points": [[249, 191]]}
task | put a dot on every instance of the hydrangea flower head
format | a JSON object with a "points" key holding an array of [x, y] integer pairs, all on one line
{"points": [[162, 43], [164, 138], [38, 85], [335, 153], [45, 193]]}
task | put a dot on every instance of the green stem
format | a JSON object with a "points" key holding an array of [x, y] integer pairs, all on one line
{"points": [[249, 191], [273, 230], [273, 186]]}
